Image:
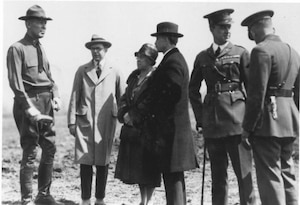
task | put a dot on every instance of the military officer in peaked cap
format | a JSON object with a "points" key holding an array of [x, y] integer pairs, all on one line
{"points": [[34, 88], [224, 67], [271, 121]]}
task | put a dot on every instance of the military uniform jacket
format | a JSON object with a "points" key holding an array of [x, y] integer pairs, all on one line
{"points": [[221, 113], [268, 67], [23, 74]]}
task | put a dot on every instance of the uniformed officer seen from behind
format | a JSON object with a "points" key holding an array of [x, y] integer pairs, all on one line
{"points": [[224, 68], [272, 119]]}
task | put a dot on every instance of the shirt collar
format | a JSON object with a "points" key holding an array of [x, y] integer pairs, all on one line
{"points": [[168, 50], [31, 40], [101, 63], [215, 46]]}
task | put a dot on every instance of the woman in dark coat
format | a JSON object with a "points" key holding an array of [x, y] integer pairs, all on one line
{"points": [[135, 163]]}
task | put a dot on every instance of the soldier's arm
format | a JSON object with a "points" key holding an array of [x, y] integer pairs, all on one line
{"points": [[260, 69], [14, 66], [244, 67], [194, 92]]}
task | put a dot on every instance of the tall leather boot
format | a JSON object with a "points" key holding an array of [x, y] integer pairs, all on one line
{"points": [[45, 178], [26, 174], [44, 183]]}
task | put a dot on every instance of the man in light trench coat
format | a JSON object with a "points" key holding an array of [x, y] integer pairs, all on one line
{"points": [[92, 114]]}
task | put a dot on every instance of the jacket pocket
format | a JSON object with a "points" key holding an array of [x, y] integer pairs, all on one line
{"points": [[81, 117], [238, 105], [33, 62]]}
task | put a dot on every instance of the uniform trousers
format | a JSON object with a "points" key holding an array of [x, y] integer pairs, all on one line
{"points": [[275, 170], [31, 137], [86, 176], [175, 188], [218, 150]]}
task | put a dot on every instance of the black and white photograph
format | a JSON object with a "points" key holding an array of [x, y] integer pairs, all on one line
{"points": [[150, 102]]}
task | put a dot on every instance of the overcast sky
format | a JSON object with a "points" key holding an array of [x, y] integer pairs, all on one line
{"points": [[127, 25]]}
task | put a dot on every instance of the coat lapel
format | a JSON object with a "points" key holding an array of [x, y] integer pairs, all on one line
{"points": [[211, 52], [91, 72], [226, 50], [105, 71]]}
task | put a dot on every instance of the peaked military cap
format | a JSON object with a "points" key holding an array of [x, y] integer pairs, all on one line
{"points": [[250, 20], [220, 17]]}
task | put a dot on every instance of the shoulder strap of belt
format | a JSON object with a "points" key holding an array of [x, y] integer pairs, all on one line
{"points": [[288, 69]]}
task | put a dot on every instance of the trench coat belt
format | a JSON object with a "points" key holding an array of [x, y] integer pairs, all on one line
{"points": [[280, 92]]}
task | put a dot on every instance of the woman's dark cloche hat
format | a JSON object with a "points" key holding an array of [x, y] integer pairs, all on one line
{"points": [[148, 50], [167, 28], [250, 20], [35, 12], [95, 40], [220, 17]]}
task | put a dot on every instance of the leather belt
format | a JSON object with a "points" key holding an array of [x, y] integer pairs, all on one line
{"points": [[226, 87], [37, 90], [280, 93]]}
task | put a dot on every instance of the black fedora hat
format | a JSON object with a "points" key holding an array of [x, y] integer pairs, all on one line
{"points": [[220, 17], [35, 12], [149, 51], [250, 20], [95, 40], [167, 28]]}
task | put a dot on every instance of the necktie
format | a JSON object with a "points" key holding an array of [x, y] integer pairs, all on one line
{"points": [[218, 51], [98, 71], [40, 57]]}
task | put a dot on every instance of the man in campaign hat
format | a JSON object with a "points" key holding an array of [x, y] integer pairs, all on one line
{"points": [[92, 117], [168, 115], [34, 88], [224, 67], [271, 121]]}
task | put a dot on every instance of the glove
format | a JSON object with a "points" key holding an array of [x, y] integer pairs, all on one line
{"points": [[32, 111], [199, 127], [245, 141], [56, 103], [43, 119]]}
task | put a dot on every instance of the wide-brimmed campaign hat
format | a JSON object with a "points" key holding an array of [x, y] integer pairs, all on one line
{"points": [[35, 12], [167, 28], [250, 20], [95, 40], [220, 17], [149, 51]]}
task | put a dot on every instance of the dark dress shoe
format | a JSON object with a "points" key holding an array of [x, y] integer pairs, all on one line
{"points": [[46, 200]]}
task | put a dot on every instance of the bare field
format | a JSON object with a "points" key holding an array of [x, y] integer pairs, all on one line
{"points": [[66, 182]]}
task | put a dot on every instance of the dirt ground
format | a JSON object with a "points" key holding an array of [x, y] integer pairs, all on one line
{"points": [[66, 182]]}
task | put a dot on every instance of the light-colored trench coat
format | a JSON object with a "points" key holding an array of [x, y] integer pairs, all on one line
{"points": [[93, 108]]}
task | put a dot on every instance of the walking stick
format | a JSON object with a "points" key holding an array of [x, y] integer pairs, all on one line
{"points": [[203, 172]]}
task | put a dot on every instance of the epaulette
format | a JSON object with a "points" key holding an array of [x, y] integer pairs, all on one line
{"points": [[240, 46]]}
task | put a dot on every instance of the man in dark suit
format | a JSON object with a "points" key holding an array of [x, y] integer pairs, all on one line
{"points": [[169, 109], [224, 68], [271, 120]]}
